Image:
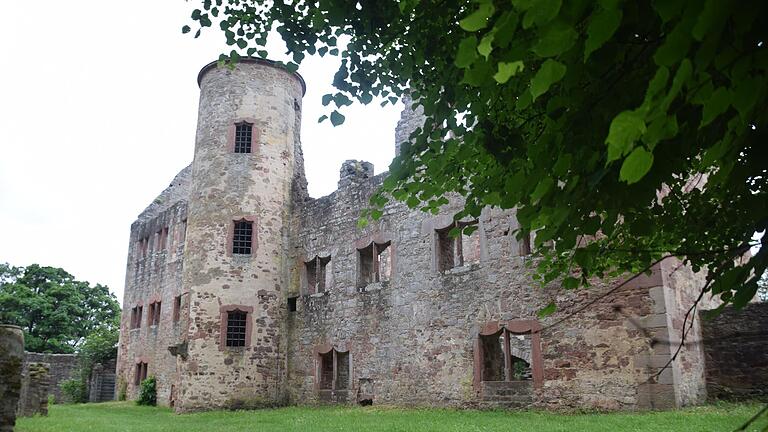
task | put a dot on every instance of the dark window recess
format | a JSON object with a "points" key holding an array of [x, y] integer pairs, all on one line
{"points": [[236, 326], [506, 356], [292, 304], [316, 274], [242, 239], [176, 308], [334, 370], [153, 315], [525, 244], [455, 248], [375, 263], [141, 373], [243, 137], [136, 313]]}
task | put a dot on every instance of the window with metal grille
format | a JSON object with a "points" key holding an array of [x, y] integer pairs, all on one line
{"points": [[242, 239], [236, 326], [243, 137]]}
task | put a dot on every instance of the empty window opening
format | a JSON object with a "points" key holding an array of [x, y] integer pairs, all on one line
{"points": [[183, 231], [177, 308], [236, 327], [316, 274], [136, 313], [506, 356], [141, 373], [375, 263], [243, 137], [334, 370], [143, 247], [242, 239], [153, 315], [162, 238], [456, 247], [292, 304]]}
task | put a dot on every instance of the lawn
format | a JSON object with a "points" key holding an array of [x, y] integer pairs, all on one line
{"points": [[125, 416]]}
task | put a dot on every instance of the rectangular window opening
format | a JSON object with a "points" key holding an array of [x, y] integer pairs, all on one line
{"points": [[506, 356], [375, 263], [292, 304], [141, 373], [242, 240], [334, 370], [316, 274], [236, 328], [454, 248], [243, 137]]}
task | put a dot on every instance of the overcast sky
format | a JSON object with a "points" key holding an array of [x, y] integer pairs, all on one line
{"points": [[98, 109]]}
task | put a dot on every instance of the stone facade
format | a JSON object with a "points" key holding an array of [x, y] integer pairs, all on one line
{"points": [[736, 348], [398, 313], [11, 366], [61, 367]]}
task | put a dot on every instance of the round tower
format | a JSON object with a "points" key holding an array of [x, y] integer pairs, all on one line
{"points": [[246, 173]]}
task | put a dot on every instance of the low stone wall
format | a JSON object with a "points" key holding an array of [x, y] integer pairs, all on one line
{"points": [[736, 350], [62, 367]]}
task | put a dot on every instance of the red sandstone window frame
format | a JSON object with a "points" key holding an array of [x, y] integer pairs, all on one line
{"points": [[375, 241], [444, 241], [254, 135], [316, 270], [136, 315], [223, 316], [140, 373], [254, 235], [153, 315], [531, 327]]}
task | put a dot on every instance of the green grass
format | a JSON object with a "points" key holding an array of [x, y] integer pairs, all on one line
{"points": [[125, 416]]}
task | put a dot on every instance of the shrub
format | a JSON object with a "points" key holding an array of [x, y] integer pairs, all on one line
{"points": [[148, 392], [74, 390], [51, 399]]}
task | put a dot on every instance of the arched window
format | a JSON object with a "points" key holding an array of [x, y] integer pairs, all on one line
{"points": [[333, 370], [375, 263]]}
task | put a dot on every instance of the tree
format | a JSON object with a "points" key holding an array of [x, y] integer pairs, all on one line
{"points": [[56, 312], [621, 132]]}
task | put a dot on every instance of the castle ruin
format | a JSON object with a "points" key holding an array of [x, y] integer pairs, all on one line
{"points": [[242, 291]]}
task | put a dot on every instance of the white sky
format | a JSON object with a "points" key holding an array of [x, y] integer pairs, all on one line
{"points": [[98, 109]]}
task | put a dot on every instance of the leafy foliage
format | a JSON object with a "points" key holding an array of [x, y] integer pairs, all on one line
{"points": [[56, 311], [620, 131], [148, 392], [75, 390]]}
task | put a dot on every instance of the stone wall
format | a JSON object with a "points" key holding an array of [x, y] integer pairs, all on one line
{"points": [[412, 339], [11, 366], [34, 390], [736, 348], [153, 274], [61, 367]]}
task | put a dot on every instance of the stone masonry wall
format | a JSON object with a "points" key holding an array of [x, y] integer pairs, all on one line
{"points": [[412, 340], [34, 390], [61, 367], [736, 348], [151, 277]]}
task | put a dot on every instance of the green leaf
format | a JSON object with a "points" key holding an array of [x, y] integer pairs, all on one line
{"points": [[467, 52], [327, 98], [715, 105], [337, 118], [550, 72], [485, 46], [507, 70], [601, 27], [746, 94], [322, 118], [478, 19], [636, 165], [557, 38], [544, 186], [185, 29], [541, 12], [547, 310], [625, 129]]}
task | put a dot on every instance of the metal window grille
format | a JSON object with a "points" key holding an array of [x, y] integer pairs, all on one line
{"points": [[242, 238], [236, 326], [243, 137]]}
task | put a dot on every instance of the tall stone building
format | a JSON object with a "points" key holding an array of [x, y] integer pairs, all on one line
{"points": [[242, 291]]}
